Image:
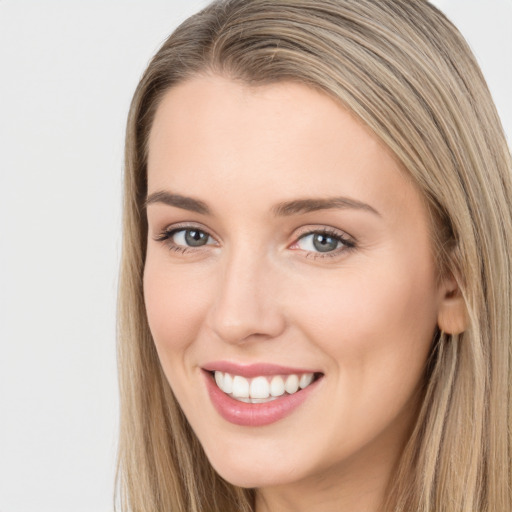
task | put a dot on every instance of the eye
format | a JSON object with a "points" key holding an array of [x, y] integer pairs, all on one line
{"points": [[323, 243], [318, 242], [184, 239], [190, 237]]}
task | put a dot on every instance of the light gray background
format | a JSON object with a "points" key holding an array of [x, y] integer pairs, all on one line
{"points": [[67, 72]]}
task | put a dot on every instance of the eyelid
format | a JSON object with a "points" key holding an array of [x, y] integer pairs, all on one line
{"points": [[178, 226], [348, 242], [323, 228], [166, 234]]}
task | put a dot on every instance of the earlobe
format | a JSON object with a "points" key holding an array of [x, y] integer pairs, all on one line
{"points": [[452, 315]]}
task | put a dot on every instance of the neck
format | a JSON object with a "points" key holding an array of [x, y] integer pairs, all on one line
{"points": [[349, 493]]}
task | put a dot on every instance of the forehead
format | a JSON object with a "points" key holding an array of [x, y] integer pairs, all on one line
{"points": [[275, 142]]}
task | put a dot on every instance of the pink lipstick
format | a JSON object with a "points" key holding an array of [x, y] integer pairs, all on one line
{"points": [[258, 394]]}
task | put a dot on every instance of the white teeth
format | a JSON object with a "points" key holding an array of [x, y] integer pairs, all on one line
{"points": [[240, 387], [277, 386], [305, 380], [261, 400], [256, 400], [227, 385], [219, 379], [261, 389], [292, 384]]}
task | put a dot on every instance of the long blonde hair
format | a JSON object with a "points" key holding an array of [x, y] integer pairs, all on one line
{"points": [[405, 71]]}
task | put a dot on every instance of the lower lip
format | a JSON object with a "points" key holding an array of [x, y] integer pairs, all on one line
{"points": [[255, 415]]}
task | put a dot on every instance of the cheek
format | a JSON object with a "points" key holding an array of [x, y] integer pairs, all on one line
{"points": [[175, 304], [376, 330], [379, 317]]}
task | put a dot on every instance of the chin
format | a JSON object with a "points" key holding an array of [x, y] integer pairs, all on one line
{"points": [[249, 472], [251, 478]]}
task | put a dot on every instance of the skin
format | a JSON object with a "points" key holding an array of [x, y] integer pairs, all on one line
{"points": [[258, 292]]}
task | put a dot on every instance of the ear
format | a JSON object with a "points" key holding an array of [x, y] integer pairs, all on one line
{"points": [[452, 316]]}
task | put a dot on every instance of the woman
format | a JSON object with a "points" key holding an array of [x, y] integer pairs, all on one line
{"points": [[315, 307]]}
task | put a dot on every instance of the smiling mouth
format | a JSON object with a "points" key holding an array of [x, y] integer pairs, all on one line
{"points": [[262, 389]]}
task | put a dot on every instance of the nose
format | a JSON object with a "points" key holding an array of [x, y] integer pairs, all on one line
{"points": [[246, 305]]}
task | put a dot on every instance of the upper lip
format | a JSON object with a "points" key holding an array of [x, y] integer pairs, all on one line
{"points": [[254, 369]]}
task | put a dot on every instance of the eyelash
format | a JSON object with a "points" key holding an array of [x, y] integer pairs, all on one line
{"points": [[167, 235], [348, 244]]}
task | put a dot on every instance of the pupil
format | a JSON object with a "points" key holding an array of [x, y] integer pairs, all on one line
{"points": [[324, 243], [195, 238]]}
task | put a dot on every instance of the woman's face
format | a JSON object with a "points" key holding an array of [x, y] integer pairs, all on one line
{"points": [[286, 244]]}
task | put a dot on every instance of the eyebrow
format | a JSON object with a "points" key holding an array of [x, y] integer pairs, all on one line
{"points": [[179, 201], [299, 206], [284, 209]]}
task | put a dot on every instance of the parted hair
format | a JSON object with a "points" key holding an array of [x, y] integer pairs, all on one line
{"points": [[406, 72]]}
